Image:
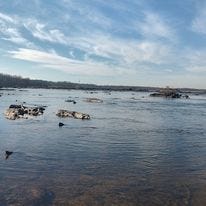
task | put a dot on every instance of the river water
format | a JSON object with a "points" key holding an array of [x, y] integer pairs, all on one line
{"points": [[135, 150]]}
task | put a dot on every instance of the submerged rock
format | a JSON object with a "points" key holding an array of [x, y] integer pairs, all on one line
{"points": [[73, 114], [94, 100], [19, 111]]}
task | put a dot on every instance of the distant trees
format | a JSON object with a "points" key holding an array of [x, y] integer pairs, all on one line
{"points": [[19, 82]]}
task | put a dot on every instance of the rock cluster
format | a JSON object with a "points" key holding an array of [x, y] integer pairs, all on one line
{"points": [[73, 114], [169, 93], [19, 111]]}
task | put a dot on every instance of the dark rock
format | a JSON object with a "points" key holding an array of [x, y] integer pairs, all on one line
{"points": [[71, 100], [15, 106], [7, 154], [61, 124]]}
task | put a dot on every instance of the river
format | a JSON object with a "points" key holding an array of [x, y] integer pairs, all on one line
{"points": [[135, 150]]}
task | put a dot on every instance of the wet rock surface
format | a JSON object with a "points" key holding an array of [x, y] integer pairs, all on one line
{"points": [[21, 111], [93, 100], [72, 114]]}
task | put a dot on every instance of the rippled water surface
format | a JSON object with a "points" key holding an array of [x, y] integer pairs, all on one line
{"points": [[135, 150]]}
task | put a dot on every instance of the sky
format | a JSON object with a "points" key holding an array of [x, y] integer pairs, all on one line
{"points": [[115, 42]]}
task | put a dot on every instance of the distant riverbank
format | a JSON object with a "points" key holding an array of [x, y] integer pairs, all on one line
{"points": [[9, 81]]}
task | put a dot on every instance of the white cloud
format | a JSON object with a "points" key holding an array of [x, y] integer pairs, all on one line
{"points": [[153, 25], [13, 35], [120, 52], [6, 18], [125, 52], [9, 31], [117, 50], [40, 31], [199, 22], [52, 60]]}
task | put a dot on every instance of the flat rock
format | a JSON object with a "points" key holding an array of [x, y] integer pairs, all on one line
{"points": [[93, 100], [72, 114]]}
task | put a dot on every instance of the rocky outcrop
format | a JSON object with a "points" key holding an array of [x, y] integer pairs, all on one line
{"points": [[72, 114], [94, 100], [20, 111], [168, 93]]}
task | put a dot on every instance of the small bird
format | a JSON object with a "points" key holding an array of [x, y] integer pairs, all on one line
{"points": [[61, 124], [7, 154]]}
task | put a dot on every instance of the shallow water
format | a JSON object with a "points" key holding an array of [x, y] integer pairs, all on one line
{"points": [[135, 150]]}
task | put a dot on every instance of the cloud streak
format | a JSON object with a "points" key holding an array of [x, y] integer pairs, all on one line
{"points": [[57, 62], [40, 31], [9, 31], [154, 26]]}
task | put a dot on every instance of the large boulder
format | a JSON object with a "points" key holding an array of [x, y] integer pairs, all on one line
{"points": [[19, 111], [73, 114]]}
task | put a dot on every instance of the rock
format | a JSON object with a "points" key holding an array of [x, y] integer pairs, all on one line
{"points": [[73, 114], [7, 154], [61, 124], [15, 106], [64, 113], [94, 100], [186, 96], [19, 111], [12, 113], [70, 100], [79, 115], [168, 93]]}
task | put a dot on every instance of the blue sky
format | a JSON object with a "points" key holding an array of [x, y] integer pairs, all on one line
{"points": [[127, 42]]}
